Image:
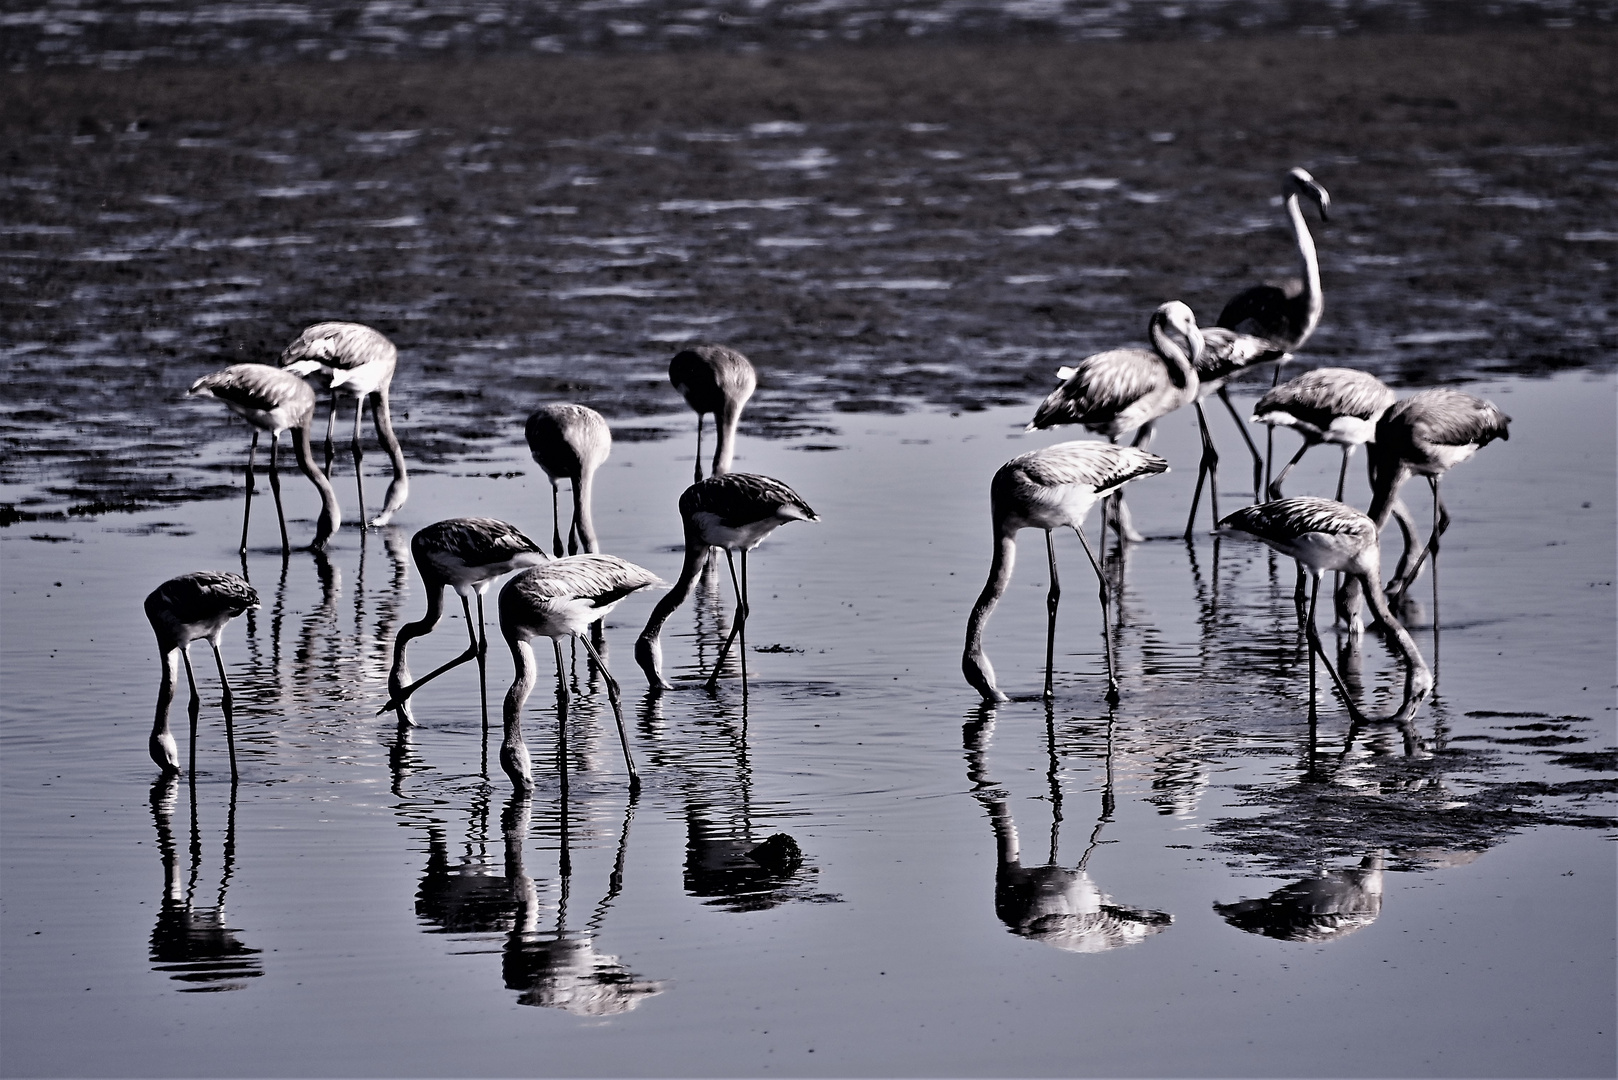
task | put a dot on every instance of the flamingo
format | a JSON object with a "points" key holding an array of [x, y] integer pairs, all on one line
{"points": [[557, 600], [1286, 313], [1049, 489], [734, 511], [274, 400], [1321, 535], [714, 379], [1114, 391], [357, 360], [1427, 434], [570, 442], [182, 610], [1326, 405], [468, 555], [1226, 354]]}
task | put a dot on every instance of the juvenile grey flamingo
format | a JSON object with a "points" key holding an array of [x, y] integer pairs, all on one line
{"points": [[570, 442], [714, 379], [1049, 489], [182, 610], [274, 400]]}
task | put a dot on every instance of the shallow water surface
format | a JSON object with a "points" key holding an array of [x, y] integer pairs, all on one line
{"points": [[1250, 893]]}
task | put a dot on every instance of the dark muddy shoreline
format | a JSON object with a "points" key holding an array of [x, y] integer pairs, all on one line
{"points": [[878, 228]]}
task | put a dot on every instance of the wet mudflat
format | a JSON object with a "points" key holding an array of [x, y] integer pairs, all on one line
{"points": [[1280, 898]]}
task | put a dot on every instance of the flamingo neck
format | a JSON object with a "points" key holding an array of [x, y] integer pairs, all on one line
{"points": [[726, 420], [583, 487], [523, 685], [1181, 365], [399, 489], [649, 646], [331, 514], [974, 664], [411, 631], [1418, 676], [1314, 299]]}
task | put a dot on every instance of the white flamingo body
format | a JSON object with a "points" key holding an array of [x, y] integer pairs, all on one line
{"points": [[719, 380], [562, 599], [192, 607], [570, 442], [468, 555], [1048, 489], [275, 401], [354, 359], [734, 511], [1322, 535], [1427, 434], [1122, 389], [1327, 405]]}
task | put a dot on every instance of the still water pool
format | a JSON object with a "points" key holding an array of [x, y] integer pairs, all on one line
{"points": [[1264, 896]]}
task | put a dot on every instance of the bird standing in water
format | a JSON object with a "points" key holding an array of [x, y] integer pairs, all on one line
{"points": [[468, 555], [570, 442], [1049, 489], [182, 610], [1226, 354], [1286, 313], [355, 359], [274, 400], [557, 600], [734, 511], [719, 380], [1321, 535], [1122, 389], [1330, 405], [1427, 434]]}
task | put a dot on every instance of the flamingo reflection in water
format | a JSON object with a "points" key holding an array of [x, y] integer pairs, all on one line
{"points": [[192, 942], [354, 359], [1055, 905], [182, 610], [734, 511], [561, 968], [273, 400], [557, 600], [1327, 907], [1049, 489]]}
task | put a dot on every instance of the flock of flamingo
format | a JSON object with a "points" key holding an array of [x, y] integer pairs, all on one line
{"points": [[561, 596]]}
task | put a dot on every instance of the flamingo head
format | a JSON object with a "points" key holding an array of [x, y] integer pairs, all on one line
{"points": [[1300, 182]]}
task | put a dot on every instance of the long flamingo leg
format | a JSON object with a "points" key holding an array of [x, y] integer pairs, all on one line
{"points": [[1206, 467], [483, 663], [1274, 490], [226, 705], [1052, 598], [247, 511], [617, 710], [1241, 426], [1342, 474], [1106, 616], [275, 489], [331, 430], [195, 706], [359, 454], [741, 618], [1316, 646]]}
